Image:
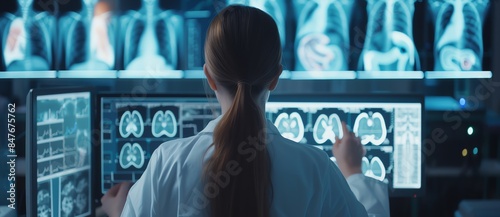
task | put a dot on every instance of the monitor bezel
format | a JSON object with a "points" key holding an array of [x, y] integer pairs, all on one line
{"points": [[31, 163], [97, 125], [371, 98]]}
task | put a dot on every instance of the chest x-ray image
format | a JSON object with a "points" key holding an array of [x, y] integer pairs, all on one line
{"points": [[322, 40], [150, 40], [275, 8], [458, 37], [87, 39], [26, 36], [389, 38]]}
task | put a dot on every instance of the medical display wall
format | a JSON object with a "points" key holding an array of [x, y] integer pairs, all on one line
{"points": [[316, 35]]}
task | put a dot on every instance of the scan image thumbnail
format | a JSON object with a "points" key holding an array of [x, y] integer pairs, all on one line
{"points": [[327, 128], [44, 199], [87, 40], [131, 155], [150, 37], [371, 128], [163, 122], [322, 40], [25, 39], [389, 40], [75, 194], [290, 126], [131, 123], [458, 36], [374, 168]]}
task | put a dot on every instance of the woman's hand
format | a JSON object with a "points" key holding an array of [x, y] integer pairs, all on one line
{"points": [[114, 200], [348, 152]]}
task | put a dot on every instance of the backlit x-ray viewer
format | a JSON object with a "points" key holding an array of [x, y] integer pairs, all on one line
{"points": [[150, 40], [389, 40], [458, 42], [26, 33], [275, 8], [322, 41]]}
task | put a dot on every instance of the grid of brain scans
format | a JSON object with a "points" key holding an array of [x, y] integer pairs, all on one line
{"points": [[132, 128], [63, 154], [390, 132]]}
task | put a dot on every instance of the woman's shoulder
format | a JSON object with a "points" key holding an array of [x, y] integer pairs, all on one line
{"points": [[183, 149], [298, 152]]}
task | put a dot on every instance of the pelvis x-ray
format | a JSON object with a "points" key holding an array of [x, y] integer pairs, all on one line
{"points": [[458, 39], [389, 39], [322, 40], [150, 39], [275, 8], [26, 34]]}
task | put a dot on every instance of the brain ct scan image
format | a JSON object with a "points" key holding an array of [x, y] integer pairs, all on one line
{"points": [[132, 130], [322, 38], [389, 42], [390, 133], [458, 44]]}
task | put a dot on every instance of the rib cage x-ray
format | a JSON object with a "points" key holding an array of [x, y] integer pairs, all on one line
{"points": [[275, 8], [26, 40], [322, 40], [389, 41], [88, 38], [458, 42], [150, 39]]}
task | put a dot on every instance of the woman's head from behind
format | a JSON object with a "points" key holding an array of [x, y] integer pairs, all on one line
{"points": [[243, 62], [242, 47]]}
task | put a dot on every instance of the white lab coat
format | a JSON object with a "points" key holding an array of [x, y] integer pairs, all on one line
{"points": [[306, 183]]}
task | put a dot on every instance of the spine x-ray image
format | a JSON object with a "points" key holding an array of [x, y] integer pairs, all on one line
{"points": [[150, 39], [275, 8], [458, 44], [389, 40], [322, 41], [26, 34]]}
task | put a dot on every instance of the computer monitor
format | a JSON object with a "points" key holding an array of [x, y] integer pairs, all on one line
{"points": [[390, 128], [133, 127], [59, 152]]}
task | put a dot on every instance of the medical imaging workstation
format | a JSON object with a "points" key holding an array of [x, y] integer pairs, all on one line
{"points": [[94, 87]]}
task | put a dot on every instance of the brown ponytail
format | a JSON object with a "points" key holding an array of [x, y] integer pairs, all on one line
{"points": [[243, 55]]}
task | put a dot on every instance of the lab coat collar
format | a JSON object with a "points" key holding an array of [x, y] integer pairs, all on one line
{"points": [[211, 126]]}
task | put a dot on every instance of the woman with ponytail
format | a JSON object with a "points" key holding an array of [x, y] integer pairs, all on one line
{"points": [[239, 165]]}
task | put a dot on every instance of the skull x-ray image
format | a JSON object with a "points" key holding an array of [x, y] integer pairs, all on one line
{"points": [[275, 8], [322, 40], [26, 35], [389, 42], [150, 39], [458, 41]]}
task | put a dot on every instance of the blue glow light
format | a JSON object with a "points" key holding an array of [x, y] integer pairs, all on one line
{"points": [[462, 101], [475, 150]]}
